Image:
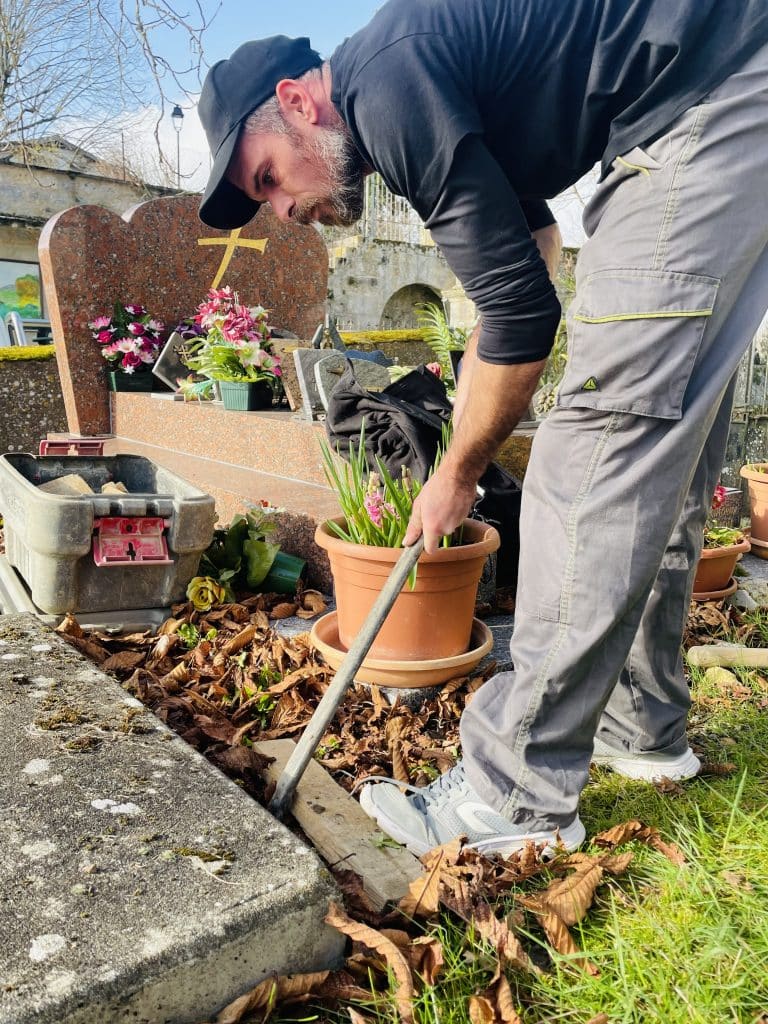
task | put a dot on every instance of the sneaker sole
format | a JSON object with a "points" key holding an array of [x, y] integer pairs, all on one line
{"points": [[571, 836], [678, 769]]}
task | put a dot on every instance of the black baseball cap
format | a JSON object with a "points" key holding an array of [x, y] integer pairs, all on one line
{"points": [[232, 90]]}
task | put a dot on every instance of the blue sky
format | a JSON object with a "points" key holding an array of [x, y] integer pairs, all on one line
{"points": [[326, 23]]}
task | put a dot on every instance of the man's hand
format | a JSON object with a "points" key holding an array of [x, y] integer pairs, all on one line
{"points": [[443, 503]]}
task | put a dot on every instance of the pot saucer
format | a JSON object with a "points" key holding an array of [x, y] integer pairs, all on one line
{"points": [[759, 547], [717, 595], [403, 674]]}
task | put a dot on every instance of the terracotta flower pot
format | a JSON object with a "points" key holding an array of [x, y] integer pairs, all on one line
{"points": [[757, 483], [716, 566], [434, 620]]}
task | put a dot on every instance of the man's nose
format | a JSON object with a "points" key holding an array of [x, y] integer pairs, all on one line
{"points": [[282, 204]]}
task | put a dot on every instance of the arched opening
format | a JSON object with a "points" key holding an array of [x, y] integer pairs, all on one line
{"points": [[399, 312]]}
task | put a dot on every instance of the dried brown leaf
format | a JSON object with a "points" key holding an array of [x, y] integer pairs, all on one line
{"points": [[170, 626], [571, 897], [425, 956], [69, 626], [284, 610], [180, 674], [240, 640], [312, 604], [90, 649], [404, 991], [636, 830], [497, 934], [501, 995], [123, 660], [562, 941], [481, 1010], [358, 1018], [601, 1018], [267, 994], [670, 850], [423, 896]]}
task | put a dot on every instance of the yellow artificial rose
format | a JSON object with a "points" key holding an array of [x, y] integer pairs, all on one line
{"points": [[204, 592]]}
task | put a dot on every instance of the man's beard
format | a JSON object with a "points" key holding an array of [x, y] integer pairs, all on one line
{"points": [[339, 200]]}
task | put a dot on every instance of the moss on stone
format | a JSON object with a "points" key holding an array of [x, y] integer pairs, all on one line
{"points": [[363, 339], [22, 352]]}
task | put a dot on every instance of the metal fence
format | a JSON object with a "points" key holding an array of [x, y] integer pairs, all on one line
{"points": [[386, 217]]}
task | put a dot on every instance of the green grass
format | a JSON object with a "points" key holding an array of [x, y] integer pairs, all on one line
{"points": [[674, 945]]}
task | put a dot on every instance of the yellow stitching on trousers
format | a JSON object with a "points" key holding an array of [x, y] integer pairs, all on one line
{"points": [[641, 316], [633, 167]]}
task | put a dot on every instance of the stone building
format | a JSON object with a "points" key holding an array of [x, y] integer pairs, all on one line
{"points": [[34, 186]]}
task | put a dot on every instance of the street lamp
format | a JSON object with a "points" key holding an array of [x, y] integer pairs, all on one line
{"points": [[177, 116]]}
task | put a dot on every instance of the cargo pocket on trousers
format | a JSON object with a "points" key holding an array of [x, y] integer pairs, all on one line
{"points": [[633, 338]]}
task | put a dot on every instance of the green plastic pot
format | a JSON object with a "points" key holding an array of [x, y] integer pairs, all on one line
{"points": [[284, 575]]}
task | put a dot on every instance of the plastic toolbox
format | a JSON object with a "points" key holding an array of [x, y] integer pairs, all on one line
{"points": [[102, 552]]}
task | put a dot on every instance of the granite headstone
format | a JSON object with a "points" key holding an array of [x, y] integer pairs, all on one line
{"points": [[161, 256]]}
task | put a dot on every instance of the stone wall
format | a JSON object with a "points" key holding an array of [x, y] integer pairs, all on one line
{"points": [[32, 405], [364, 282]]}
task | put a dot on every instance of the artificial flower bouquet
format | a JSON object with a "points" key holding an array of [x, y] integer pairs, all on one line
{"points": [[228, 341], [130, 338], [716, 535]]}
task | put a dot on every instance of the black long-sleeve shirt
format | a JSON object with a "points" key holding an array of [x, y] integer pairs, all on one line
{"points": [[477, 111]]}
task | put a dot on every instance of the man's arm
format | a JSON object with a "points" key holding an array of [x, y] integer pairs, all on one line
{"points": [[491, 399], [496, 401]]}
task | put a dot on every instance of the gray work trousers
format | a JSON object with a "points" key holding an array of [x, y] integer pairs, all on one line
{"points": [[670, 286]]}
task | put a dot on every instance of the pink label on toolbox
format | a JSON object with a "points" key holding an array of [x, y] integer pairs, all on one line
{"points": [[130, 540]]}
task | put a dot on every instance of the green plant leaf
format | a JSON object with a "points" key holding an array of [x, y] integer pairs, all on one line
{"points": [[259, 556]]}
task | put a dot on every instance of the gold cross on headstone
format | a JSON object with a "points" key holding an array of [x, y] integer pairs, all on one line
{"points": [[232, 242]]}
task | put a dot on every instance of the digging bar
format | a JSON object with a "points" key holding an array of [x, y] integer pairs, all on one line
{"points": [[329, 703]]}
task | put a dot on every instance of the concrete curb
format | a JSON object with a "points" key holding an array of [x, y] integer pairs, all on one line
{"points": [[113, 910]]}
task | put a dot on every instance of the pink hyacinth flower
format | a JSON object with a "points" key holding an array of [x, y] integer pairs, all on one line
{"points": [[373, 506]]}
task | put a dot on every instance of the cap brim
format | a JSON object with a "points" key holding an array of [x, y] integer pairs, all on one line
{"points": [[223, 205]]}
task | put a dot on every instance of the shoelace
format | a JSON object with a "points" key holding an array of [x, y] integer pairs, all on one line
{"points": [[423, 795]]}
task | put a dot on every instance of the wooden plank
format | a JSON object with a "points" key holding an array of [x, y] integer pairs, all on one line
{"points": [[731, 656], [341, 831]]}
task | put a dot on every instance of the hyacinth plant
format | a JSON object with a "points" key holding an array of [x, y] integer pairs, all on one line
{"points": [[130, 338], [228, 341], [376, 506]]}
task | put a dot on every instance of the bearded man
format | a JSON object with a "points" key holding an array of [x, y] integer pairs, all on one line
{"points": [[477, 111]]}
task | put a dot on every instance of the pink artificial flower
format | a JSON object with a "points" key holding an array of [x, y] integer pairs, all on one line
{"points": [[147, 356], [104, 337], [718, 497], [156, 325], [435, 368], [130, 362], [135, 310], [99, 323], [136, 328], [125, 345]]}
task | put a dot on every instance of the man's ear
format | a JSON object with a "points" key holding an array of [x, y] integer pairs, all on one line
{"points": [[296, 101]]}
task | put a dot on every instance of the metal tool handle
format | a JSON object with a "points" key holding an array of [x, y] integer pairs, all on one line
{"points": [[329, 703]]}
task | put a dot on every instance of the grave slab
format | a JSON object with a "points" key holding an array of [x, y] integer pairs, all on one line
{"points": [[140, 884], [369, 374], [305, 361], [160, 255]]}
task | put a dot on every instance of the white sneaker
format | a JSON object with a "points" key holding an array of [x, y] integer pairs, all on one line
{"points": [[449, 807], [647, 767]]}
